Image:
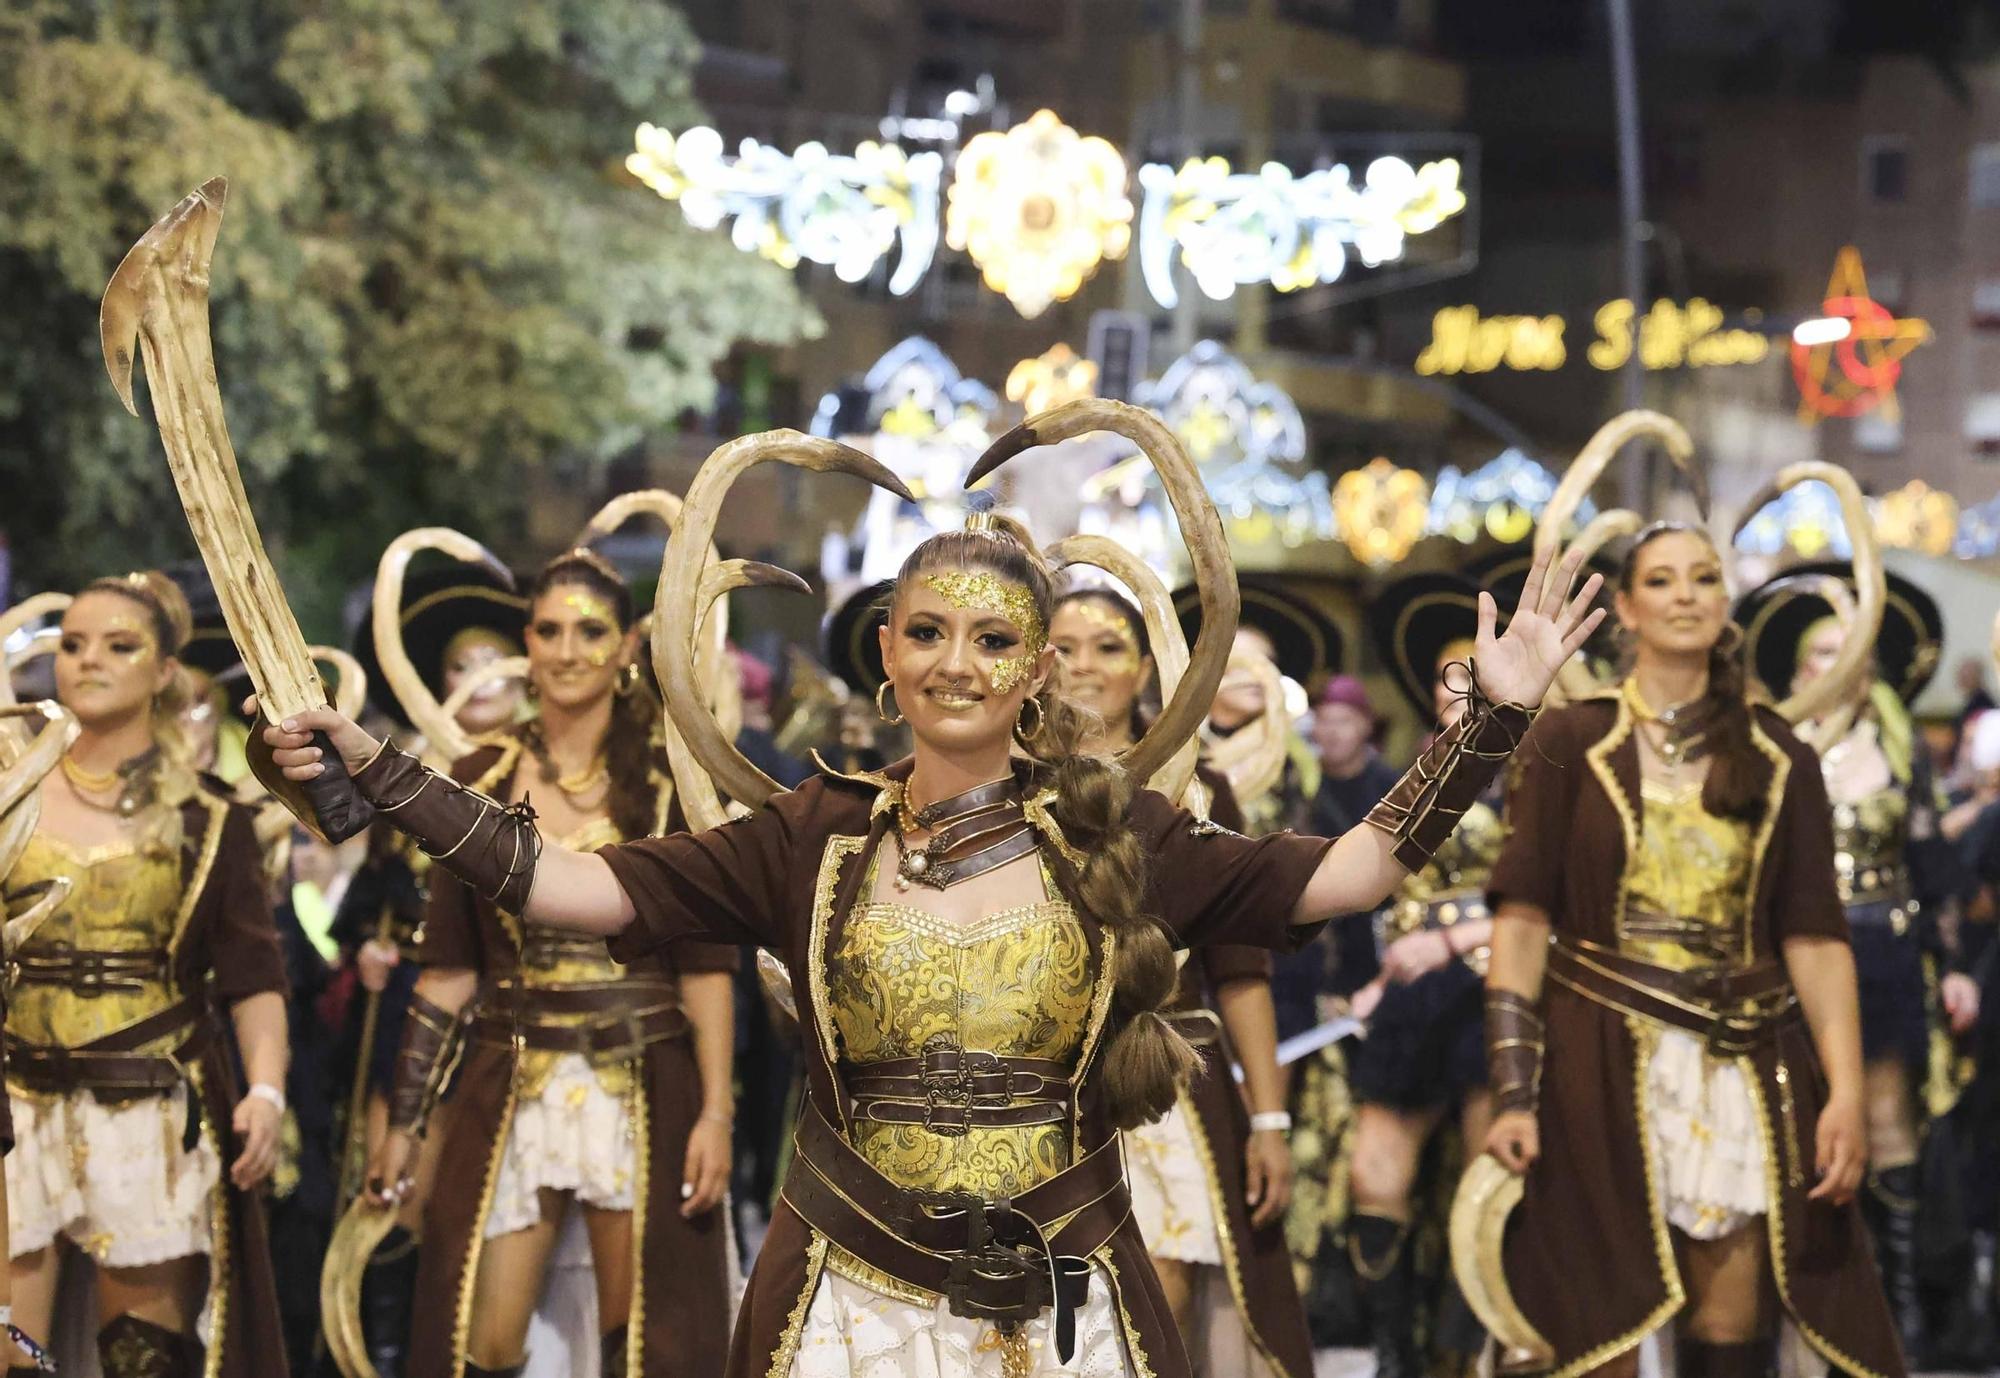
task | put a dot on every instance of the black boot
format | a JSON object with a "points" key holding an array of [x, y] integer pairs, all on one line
{"points": [[1384, 1271], [612, 1364], [1895, 1211], [130, 1347], [473, 1370], [1971, 1338], [388, 1290], [1743, 1359]]}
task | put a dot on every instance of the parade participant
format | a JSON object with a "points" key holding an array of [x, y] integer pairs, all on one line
{"points": [[135, 1141], [1894, 872], [981, 949], [1690, 1123], [1211, 1178], [583, 1082], [449, 625], [1424, 1058]]}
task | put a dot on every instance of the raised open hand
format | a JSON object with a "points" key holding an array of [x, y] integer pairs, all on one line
{"points": [[1548, 627]]}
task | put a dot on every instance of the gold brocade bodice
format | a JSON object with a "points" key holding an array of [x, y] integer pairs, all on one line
{"points": [[120, 900], [553, 958], [1016, 984], [1687, 900], [1868, 837]]}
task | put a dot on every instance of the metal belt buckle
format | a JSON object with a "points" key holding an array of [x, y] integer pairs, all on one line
{"points": [[947, 1083]]}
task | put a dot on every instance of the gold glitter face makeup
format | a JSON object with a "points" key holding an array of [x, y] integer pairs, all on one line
{"points": [[984, 591], [586, 604]]}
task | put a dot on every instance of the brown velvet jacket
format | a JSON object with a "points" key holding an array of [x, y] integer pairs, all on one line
{"points": [[786, 879], [1589, 1254], [680, 1276]]}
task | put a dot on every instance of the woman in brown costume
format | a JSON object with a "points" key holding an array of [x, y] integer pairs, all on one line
{"points": [[582, 1080], [1211, 1178], [136, 1143], [982, 949], [1690, 1124]]}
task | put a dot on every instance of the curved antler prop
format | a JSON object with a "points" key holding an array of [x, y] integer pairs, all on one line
{"points": [[420, 706], [491, 673], [1590, 464], [678, 609], [1254, 757], [1208, 549], [157, 301], [350, 694], [33, 608], [1856, 661], [26, 761], [1163, 631]]}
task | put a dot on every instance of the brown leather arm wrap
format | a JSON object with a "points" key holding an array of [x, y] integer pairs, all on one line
{"points": [[492, 847], [1514, 1044], [432, 1040], [1455, 769]]}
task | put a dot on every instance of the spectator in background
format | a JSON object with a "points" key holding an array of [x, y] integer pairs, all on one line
{"points": [[1971, 679], [1353, 775]]}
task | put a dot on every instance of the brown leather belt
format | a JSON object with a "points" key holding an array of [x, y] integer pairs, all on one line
{"points": [[950, 1090], [109, 1064], [541, 949], [622, 1018], [1002, 1260], [90, 971], [1734, 1012]]}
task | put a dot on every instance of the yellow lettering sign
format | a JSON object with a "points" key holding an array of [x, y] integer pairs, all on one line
{"points": [[1669, 335]]}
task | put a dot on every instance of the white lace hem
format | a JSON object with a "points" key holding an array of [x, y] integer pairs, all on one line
{"points": [[1171, 1200], [574, 1137], [112, 1179], [853, 1331], [1710, 1146]]}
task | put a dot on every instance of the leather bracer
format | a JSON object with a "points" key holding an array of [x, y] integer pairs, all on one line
{"points": [[432, 1040], [492, 847], [1514, 1045], [1455, 769]]}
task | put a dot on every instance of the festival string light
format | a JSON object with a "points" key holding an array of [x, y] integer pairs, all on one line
{"points": [[1038, 208], [1235, 228], [1382, 510], [847, 212], [1050, 379]]}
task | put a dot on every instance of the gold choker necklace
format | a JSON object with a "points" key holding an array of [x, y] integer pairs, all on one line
{"points": [[90, 782]]}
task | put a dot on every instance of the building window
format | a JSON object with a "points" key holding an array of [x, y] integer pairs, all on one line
{"points": [[1983, 177], [1878, 433], [1986, 304], [1982, 424], [1885, 169]]}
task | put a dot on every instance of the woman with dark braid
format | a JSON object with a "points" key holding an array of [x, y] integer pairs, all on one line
{"points": [[982, 945], [135, 1140], [584, 1083]]}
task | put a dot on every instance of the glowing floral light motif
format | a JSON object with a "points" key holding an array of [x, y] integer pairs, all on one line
{"points": [[1806, 518], [1918, 517], [1235, 228], [847, 212], [1382, 510], [1038, 208], [1051, 379], [1502, 498]]}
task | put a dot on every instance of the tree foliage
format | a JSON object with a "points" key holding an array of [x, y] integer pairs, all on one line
{"points": [[433, 275]]}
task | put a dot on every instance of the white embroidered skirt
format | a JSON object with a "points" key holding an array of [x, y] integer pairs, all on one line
{"points": [[574, 1137], [1709, 1145], [853, 1331], [113, 1179], [1170, 1190]]}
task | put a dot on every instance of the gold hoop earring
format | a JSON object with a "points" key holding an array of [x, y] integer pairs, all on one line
{"points": [[1041, 719], [628, 680], [881, 704]]}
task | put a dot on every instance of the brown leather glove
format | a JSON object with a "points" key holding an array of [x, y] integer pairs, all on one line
{"points": [[1455, 769], [492, 847], [1514, 1044], [432, 1039]]}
